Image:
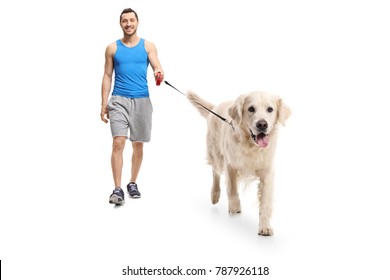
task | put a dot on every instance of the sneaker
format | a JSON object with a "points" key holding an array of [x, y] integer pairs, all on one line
{"points": [[117, 197], [132, 189]]}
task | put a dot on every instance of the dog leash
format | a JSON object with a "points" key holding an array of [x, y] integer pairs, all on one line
{"points": [[204, 107]]}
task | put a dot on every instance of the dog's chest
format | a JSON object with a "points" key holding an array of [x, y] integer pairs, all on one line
{"points": [[249, 161]]}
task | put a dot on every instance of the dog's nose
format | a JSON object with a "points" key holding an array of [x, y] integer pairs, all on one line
{"points": [[262, 125]]}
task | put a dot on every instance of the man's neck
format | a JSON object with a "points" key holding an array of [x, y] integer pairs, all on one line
{"points": [[131, 40]]}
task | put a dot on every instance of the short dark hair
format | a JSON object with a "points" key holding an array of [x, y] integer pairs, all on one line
{"points": [[128, 10]]}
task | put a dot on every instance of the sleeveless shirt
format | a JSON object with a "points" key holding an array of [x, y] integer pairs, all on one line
{"points": [[130, 67]]}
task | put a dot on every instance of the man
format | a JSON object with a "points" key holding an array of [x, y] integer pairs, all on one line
{"points": [[129, 108]]}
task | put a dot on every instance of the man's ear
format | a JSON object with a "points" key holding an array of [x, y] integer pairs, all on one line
{"points": [[284, 112], [235, 111]]}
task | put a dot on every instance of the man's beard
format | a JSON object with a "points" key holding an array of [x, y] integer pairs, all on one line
{"points": [[131, 32]]}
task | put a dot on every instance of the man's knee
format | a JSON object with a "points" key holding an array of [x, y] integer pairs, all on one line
{"points": [[138, 147], [118, 144]]}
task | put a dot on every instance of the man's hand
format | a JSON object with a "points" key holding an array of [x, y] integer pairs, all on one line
{"points": [[157, 72], [103, 114]]}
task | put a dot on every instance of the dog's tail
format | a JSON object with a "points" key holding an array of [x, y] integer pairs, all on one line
{"points": [[196, 101]]}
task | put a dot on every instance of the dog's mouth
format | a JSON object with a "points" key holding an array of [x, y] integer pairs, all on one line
{"points": [[260, 139]]}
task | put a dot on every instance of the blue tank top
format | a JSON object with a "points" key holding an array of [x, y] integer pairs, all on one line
{"points": [[130, 66]]}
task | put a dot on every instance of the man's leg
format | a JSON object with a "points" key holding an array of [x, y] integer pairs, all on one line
{"points": [[118, 146], [140, 132], [136, 160]]}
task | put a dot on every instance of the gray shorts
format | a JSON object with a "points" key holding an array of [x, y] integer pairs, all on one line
{"points": [[134, 114]]}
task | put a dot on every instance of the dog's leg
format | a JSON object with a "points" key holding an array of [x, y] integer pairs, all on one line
{"points": [[216, 189], [265, 196], [234, 200]]}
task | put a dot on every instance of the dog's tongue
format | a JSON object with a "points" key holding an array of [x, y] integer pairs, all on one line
{"points": [[262, 141]]}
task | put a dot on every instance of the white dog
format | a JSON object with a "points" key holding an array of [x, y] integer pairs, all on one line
{"points": [[245, 150]]}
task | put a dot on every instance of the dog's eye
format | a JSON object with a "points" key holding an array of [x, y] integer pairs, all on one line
{"points": [[251, 109], [270, 109]]}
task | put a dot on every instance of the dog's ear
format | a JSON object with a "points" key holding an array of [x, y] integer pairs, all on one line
{"points": [[235, 111], [284, 112]]}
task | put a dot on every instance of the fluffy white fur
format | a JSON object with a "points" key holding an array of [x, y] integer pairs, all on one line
{"points": [[247, 151]]}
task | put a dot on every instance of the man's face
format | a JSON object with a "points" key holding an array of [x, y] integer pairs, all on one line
{"points": [[129, 23]]}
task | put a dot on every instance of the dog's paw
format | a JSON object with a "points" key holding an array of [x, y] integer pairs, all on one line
{"points": [[234, 211], [266, 231], [234, 206], [215, 197]]}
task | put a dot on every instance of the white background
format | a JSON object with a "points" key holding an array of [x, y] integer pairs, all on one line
{"points": [[329, 60]]}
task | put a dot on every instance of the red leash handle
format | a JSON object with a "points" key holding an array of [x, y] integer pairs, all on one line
{"points": [[158, 78]]}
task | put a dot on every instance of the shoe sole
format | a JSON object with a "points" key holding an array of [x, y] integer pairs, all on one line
{"points": [[134, 196], [116, 199]]}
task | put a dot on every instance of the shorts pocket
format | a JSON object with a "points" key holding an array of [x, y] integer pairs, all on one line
{"points": [[111, 103]]}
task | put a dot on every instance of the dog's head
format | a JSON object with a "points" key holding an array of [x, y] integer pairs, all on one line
{"points": [[257, 114]]}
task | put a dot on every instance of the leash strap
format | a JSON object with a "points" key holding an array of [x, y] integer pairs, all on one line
{"points": [[204, 107]]}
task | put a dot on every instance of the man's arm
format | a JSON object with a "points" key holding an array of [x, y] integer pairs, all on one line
{"points": [[107, 79], [153, 58]]}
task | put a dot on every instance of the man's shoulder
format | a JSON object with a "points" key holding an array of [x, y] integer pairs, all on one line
{"points": [[111, 48], [149, 45]]}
